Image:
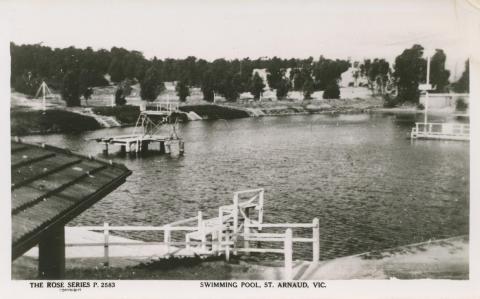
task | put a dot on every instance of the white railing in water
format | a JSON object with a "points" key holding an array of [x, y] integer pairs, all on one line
{"points": [[162, 106], [452, 131], [225, 232]]}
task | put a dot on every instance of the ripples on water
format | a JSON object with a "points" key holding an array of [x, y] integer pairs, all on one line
{"points": [[370, 186]]}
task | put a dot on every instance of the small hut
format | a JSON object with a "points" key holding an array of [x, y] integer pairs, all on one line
{"points": [[51, 186]]}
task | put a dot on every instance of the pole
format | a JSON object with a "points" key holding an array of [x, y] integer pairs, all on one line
{"points": [[426, 93], [316, 241], [43, 92]]}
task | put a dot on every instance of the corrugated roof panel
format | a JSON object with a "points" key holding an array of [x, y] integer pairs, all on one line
{"points": [[51, 186]]}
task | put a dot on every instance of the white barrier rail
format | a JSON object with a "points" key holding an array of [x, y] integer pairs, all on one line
{"points": [[234, 223], [451, 131]]}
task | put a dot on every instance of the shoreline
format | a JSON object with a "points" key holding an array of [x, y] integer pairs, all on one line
{"points": [[20, 118], [27, 130]]}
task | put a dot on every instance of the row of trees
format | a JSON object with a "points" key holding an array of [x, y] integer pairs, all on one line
{"points": [[408, 72], [75, 71]]}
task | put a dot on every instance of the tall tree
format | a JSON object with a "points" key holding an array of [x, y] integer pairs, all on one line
{"points": [[208, 86], [463, 84], [409, 72], [275, 72], [151, 86], [70, 89], [123, 91], [377, 75], [257, 86], [228, 88], [308, 89], [327, 73], [282, 88], [438, 74], [182, 90], [87, 94]]}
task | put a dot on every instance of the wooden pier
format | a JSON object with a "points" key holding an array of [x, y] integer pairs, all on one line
{"points": [[443, 131], [235, 230], [146, 136]]}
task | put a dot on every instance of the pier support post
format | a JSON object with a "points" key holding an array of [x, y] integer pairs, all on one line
{"points": [[288, 252], [316, 241], [181, 147], [122, 149], [127, 147], [167, 147], [162, 147], [106, 233], [105, 150], [144, 146]]}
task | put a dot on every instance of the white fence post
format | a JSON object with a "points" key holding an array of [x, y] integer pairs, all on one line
{"points": [[105, 246], [288, 252], [199, 219], [220, 229], [187, 241], [260, 212], [316, 240], [227, 246], [166, 238], [235, 213], [235, 221], [201, 230], [246, 232]]}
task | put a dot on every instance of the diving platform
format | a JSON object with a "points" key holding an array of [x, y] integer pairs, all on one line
{"points": [[146, 135]]}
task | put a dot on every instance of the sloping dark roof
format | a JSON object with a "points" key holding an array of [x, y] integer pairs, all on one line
{"points": [[51, 186]]}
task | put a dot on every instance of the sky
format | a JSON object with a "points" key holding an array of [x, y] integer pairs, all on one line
{"points": [[236, 29]]}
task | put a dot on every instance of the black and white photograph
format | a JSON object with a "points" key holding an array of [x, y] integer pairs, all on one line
{"points": [[239, 145]]}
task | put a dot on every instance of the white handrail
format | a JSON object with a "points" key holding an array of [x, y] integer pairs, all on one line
{"points": [[138, 228]]}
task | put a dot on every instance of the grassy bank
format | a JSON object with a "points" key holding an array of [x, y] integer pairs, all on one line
{"points": [[127, 115], [50, 121], [212, 111]]}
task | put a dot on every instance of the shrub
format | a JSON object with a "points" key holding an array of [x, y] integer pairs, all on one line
{"points": [[331, 91], [461, 105], [390, 102]]}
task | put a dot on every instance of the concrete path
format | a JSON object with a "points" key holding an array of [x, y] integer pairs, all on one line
{"points": [[139, 250], [442, 259]]}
